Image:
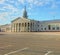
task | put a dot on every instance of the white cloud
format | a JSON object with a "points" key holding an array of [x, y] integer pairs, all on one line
{"points": [[21, 1], [2, 1], [8, 14], [3, 16], [10, 8], [53, 3], [11, 1], [39, 3], [31, 3]]}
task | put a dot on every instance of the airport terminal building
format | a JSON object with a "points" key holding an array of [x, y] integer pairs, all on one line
{"points": [[24, 24]]}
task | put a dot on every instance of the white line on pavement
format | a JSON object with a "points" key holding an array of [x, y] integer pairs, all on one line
{"points": [[48, 52], [16, 51]]}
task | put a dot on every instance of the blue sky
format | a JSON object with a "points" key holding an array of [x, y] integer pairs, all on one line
{"points": [[37, 9]]}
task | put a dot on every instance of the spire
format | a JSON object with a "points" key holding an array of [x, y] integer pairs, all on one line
{"points": [[25, 13]]}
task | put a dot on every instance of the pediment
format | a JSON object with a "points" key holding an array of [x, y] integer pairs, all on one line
{"points": [[21, 20]]}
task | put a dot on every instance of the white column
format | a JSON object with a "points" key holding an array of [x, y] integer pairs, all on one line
{"points": [[19, 26], [11, 27], [14, 27]]}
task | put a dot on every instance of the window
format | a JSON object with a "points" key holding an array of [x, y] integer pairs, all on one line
{"points": [[49, 27], [38, 21], [41, 28], [45, 28], [57, 28], [41, 25], [38, 30], [53, 28], [38, 25]]}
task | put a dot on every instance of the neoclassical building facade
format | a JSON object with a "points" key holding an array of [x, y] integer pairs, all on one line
{"points": [[24, 24]]}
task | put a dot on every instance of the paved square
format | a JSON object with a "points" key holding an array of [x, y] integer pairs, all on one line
{"points": [[30, 43]]}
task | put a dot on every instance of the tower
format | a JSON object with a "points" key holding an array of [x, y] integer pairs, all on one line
{"points": [[25, 13]]}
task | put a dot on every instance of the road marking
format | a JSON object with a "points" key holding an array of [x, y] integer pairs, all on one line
{"points": [[48, 52], [16, 51]]}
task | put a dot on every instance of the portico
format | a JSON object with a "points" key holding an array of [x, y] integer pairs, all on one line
{"points": [[22, 26]]}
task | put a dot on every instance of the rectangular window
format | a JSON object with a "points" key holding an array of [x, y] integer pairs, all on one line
{"points": [[41, 28], [53, 28], [45, 28], [57, 28], [38, 25], [49, 27]]}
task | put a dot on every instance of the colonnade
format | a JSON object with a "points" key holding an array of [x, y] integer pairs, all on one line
{"points": [[22, 27]]}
